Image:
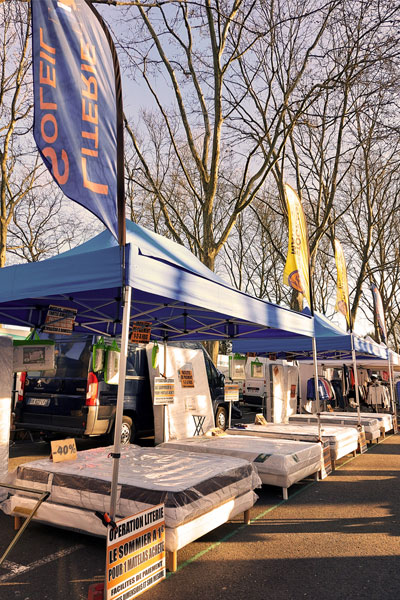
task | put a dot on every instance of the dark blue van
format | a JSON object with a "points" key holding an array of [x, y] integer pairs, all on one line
{"points": [[74, 401]]}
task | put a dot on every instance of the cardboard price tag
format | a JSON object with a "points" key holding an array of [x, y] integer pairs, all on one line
{"points": [[62, 450], [187, 380], [140, 332]]}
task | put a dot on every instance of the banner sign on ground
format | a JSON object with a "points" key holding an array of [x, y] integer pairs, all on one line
{"points": [[78, 124], [379, 312], [136, 554], [296, 273], [342, 287]]}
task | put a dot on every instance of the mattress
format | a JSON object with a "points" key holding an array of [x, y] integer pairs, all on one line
{"points": [[278, 462], [189, 484], [341, 440], [385, 419], [371, 425]]}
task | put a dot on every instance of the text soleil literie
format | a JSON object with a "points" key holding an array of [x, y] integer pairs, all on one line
{"points": [[49, 124]]}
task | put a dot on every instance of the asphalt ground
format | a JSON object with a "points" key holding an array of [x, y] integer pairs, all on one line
{"points": [[333, 539]]}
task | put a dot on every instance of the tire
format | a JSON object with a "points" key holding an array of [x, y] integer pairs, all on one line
{"points": [[127, 432], [221, 418]]}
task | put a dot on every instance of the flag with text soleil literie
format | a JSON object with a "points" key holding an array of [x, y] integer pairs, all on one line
{"points": [[297, 268], [379, 312], [78, 124], [342, 287]]}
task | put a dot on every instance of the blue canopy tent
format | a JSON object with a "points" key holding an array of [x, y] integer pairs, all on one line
{"points": [[171, 288], [332, 343]]}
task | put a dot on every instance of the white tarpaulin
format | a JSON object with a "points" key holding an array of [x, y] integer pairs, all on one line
{"points": [[6, 379], [192, 411]]}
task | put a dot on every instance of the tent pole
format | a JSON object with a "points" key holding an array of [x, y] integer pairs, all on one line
{"points": [[353, 356], [165, 406], [314, 347], [391, 384], [127, 291]]}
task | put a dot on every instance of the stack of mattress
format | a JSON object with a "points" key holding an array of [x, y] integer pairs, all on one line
{"points": [[200, 492], [385, 419], [371, 425], [341, 440], [278, 462]]}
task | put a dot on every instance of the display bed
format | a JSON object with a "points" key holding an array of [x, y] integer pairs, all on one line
{"points": [[200, 492], [371, 425], [278, 462], [341, 440], [385, 419]]}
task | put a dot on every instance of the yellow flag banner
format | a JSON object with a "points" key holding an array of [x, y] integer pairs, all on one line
{"points": [[342, 287], [296, 273]]}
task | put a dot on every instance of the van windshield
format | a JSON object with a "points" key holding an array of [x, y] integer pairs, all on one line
{"points": [[72, 358]]}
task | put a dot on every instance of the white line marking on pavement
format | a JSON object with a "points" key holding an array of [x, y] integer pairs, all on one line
{"points": [[17, 569]]}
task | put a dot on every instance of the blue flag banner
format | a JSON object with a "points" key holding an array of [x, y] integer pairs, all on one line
{"points": [[379, 312], [78, 125]]}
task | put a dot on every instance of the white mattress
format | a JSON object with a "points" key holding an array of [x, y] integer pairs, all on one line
{"points": [[371, 425], [341, 440], [189, 484], [385, 419], [278, 462]]}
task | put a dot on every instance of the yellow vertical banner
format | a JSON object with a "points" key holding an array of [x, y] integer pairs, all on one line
{"points": [[342, 287], [296, 273]]}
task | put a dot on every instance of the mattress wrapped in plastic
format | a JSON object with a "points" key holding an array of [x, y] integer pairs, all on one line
{"points": [[189, 484], [371, 425], [278, 462], [385, 419], [341, 440]]}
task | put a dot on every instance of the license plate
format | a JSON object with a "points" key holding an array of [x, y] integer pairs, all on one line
{"points": [[38, 401]]}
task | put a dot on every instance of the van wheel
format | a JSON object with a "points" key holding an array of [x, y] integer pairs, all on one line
{"points": [[127, 431], [221, 418]]}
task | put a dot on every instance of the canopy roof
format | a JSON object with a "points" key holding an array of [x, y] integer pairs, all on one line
{"points": [[171, 289], [332, 343]]}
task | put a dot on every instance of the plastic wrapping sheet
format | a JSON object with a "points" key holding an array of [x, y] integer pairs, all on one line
{"points": [[385, 419], [188, 484], [371, 425], [278, 462], [190, 404], [6, 380], [85, 521], [341, 440]]}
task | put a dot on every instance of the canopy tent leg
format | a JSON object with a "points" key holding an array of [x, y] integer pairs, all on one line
{"points": [[353, 356], [127, 295]]}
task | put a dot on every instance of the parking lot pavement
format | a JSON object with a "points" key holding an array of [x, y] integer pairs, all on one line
{"points": [[334, 539]]}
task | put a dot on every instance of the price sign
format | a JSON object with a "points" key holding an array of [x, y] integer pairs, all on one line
{"points": [[187, 380], [164, 390], [62, 450], [231, 392], [136, 554], [60, 320], [141, 331]]}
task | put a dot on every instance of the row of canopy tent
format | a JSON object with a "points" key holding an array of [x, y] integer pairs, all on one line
{"points": [[332, 344]]}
